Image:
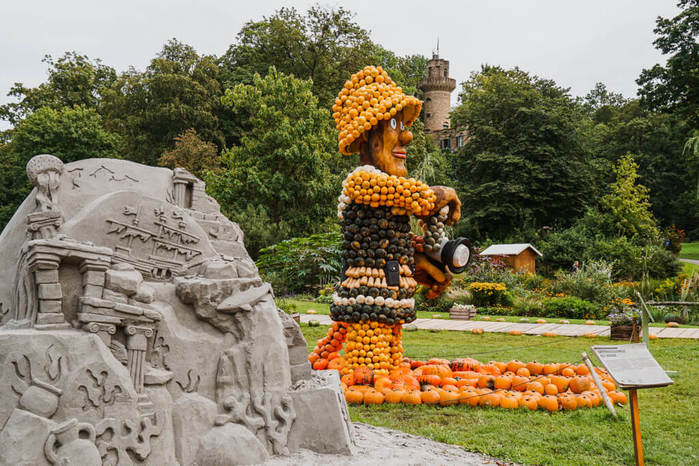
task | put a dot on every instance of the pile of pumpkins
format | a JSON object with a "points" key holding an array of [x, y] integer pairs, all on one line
{"points": [[467, 381]]}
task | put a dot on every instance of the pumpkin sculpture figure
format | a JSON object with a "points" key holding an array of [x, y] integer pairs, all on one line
{"points": [[381, 268], [384, 263]]}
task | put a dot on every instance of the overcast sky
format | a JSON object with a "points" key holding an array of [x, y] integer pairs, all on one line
{"points": [[576, 43]]}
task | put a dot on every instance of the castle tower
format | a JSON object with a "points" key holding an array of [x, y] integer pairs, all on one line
{"points": [[437, 86]]}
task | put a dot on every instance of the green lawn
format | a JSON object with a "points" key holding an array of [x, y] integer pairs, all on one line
{"points": [[324, 309], [690, 251], [689, 269], [669, 416]]}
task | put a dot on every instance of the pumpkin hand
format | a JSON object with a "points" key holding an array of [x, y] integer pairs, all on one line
{"points": [[431, 275], [446, 196]]}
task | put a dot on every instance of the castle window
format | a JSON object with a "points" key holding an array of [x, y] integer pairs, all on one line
{"points": [[445, 125], [445, 144], [460, 141], [446, 73]]}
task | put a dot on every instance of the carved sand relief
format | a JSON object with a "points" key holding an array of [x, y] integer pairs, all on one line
{"points": [[124, 293]]}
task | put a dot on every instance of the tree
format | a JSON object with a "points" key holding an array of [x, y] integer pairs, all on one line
{"points": [[179, 90], [629, 202], [192, 153], [526, 163], [324, 45], [281, 169], [73, 79], [674, 88], [68, 133]]}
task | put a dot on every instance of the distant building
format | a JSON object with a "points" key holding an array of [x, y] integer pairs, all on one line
{"points": [[437, 87], [520, 257]]}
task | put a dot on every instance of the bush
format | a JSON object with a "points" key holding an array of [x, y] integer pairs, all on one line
{"points": [[487, 294], [592, 282], [300, 264], [441, 303], [572, 307], [528, 306], [662, 263]]}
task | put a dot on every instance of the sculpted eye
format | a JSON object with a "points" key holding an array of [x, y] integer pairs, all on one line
{"points": [[393, 123]]}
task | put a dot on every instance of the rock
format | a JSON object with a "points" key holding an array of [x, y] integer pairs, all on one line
{"points": [[229, 445], [120, 279], [330, 432], [220, 269], [144, 294], [22, 440], [192, 417]]}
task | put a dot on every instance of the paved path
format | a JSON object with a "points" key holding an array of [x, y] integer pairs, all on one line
{"points": [[527, 329], [691, 261]]}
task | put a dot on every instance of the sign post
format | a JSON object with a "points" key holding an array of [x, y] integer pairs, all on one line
{"points": [[633, 367]]}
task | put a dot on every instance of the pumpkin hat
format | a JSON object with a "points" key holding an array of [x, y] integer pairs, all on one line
{"points": [[368, 97]]}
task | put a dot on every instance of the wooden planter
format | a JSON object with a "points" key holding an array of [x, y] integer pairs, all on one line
{"points": [[624, 332], [462, 312]]}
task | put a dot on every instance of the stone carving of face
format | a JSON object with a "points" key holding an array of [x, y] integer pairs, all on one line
{"points": [[385, 148]]}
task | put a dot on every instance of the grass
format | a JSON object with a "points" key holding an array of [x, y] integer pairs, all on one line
{"points": [[690, 268], [669, 415], [690, 251], [324, 309]]}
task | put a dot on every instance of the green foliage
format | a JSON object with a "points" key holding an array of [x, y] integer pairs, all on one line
{"points": [[572, 307], [628, 202], [72, 80], [192, 153], [324, 45], [675, 86], [179, 90], [592, 282], [69, 133], [299, 264], [526, 164], [441, 303], [282, 165]]}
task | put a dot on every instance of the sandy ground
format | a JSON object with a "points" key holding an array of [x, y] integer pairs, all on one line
{"points": [[380, 446]]}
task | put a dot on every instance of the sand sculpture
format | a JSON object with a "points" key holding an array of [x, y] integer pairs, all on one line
{"points": [[136, 330]]}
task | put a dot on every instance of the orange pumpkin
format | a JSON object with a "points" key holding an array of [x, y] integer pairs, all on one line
{"points": [[430, 397], [535, 368], [394, 396], [436, 369], [354, 396], [535, 386], [477, 331], [582, 369], [486, 381], [519, 383], [347, 379], [579, 384], [509, 402], [320, 364], [448, 398], [549, 403], [502, 382], [568, 372], [515, 364], [363, 375], [617, 397], [412, 397], [373, 397], [337, 364], [515, 333], [550, 369], [491, 399], [560, 382], [568, 402], [464, 364], [530, 402], [523, 372], [551, 389], [382, 383]]}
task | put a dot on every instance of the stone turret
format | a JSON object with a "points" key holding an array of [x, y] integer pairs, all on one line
{"points": [[437, 86]]}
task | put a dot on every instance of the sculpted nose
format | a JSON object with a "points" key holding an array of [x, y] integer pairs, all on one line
{"points": [[405, 138]]}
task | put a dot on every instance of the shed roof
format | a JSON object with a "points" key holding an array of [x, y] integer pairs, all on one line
{"points": [[508, 249]]}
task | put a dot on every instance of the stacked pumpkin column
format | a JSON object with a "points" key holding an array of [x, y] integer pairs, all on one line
{"points": [[374, 299]]}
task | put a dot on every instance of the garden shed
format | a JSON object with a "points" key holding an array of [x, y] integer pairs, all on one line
{"points": [[520, 257]]}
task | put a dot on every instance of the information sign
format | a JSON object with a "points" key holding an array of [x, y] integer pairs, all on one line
{"points": [[632, 366]]}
